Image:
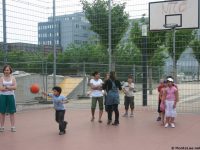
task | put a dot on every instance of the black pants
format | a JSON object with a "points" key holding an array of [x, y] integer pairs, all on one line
{"points": [[110, 109], [60, 114], [159, 111], [129, 101]]}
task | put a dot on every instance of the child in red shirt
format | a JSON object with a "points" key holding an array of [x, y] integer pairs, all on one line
{"points": [[160, 86]]}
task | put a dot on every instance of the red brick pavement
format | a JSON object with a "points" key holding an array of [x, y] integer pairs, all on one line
{"points": [[37, 130]]}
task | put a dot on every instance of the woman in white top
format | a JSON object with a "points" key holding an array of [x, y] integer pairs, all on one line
{"points": [[7, 97], [97, 95]]}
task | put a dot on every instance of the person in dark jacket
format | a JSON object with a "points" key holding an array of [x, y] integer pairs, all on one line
{"points": [[112, 87]]}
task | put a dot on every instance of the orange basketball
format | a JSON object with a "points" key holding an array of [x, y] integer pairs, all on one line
{"points": [[34, 88]]}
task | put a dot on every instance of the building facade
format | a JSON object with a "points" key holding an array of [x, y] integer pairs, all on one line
{"points": [[69, 29]]}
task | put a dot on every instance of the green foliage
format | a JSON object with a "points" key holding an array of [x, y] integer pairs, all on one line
{"points": [[97, 13], [73, 58], [128, 54], [1, 55], [84, 53], [195, 45], [22, 57], [154, 42], [182, 39]]}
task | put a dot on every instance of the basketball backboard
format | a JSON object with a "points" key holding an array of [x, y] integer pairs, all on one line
{"points": [[183, 13]]}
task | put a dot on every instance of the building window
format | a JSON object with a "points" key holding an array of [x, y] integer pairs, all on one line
{"points": [[77, 26], [84, 27], [85, 35], [77, 41]]}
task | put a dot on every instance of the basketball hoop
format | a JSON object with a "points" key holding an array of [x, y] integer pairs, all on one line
{"points": [[171, 15], [171, 25]]}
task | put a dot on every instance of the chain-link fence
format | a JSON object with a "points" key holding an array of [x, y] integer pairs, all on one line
{"points": [[77, 84], [42, 38]]}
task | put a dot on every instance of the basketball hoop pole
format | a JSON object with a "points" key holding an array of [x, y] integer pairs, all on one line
{"points": [[174, 55], [173, 27], [144, 64]]}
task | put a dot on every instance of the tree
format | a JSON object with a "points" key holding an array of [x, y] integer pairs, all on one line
{"points": [[28, 61], [97, 13], [195, 45], [79, 55], [182, 39], [84, 53], [155, 41], [128, 54]]}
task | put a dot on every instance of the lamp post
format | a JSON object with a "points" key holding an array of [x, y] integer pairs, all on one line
{"points": [[173, 28]]}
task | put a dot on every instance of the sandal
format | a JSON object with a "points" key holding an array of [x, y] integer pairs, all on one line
{"points": [[100, 121]]}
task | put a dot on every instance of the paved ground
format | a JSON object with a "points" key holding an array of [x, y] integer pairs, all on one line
{"points": [[37, 130]]}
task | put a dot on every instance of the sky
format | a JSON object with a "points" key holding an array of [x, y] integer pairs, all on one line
{"points": [[23, 15]]}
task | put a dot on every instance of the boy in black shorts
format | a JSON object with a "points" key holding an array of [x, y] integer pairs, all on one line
{"points": [[128, 89]]}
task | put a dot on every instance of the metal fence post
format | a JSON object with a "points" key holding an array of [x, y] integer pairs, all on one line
{"points": [[5, 46]]}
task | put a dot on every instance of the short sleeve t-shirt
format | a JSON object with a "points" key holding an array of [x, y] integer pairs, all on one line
{"points": [[171, 93], [58, 101], [96, 93], [129, 90]]}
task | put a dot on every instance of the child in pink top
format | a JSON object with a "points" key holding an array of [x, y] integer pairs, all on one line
{"points": [[171, 98], [162, 102]]}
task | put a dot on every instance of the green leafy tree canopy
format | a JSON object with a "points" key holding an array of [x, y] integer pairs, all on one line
{"points": [[98, 13], [154, 42], [182, 39]]}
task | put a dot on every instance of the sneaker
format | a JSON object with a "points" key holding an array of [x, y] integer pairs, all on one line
{"points": [[125, 115], [158, 119], [166, 125], [172, 125], [109, 122], [62, 132], [131, 115], [1, 129], [65, 124], [115, 123], [13, 129]]}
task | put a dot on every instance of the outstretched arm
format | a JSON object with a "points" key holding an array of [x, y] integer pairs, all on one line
{"points": [[44, 93]]}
